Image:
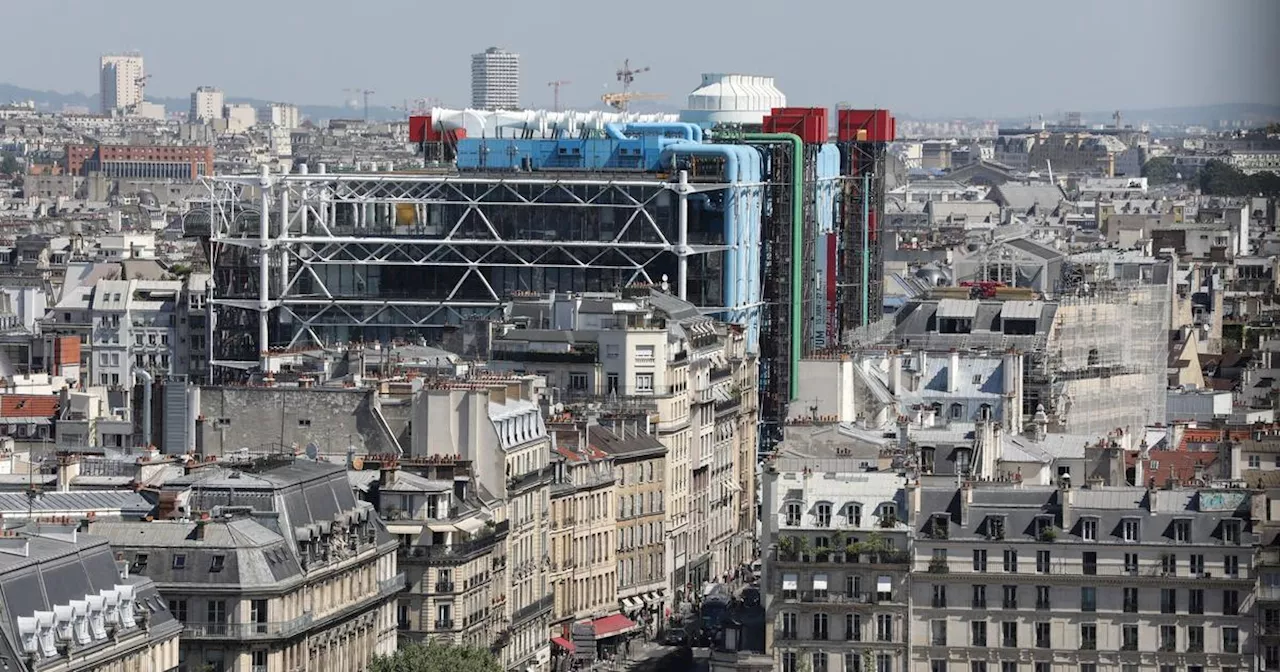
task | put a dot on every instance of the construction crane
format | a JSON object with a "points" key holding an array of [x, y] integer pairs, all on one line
{"points": [[141, 82], [365, 93], [627, 75], [556, 87]]}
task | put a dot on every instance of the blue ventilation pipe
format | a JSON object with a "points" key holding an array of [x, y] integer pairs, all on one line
{"points": [[689, 132], [731, 156]]}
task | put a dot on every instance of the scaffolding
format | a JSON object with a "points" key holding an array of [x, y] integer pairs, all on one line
{"points": [[1104, 363]]}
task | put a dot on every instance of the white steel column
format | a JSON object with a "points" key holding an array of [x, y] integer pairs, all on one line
{"points": [[264, 280], [284, 234], [682, 242]]}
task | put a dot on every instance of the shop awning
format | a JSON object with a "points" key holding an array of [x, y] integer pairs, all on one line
{"points": [[631, 603], [613, 625], [563, 643]]}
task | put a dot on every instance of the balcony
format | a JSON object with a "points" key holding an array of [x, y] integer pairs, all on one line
{"points": [[264, 630], [444, 586], [583, 355], [939, 566], [828, 597], [443, 624], [484, 541], [533, 609]]}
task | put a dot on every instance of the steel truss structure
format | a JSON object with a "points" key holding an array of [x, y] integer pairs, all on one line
{"points": [[318, 259], [860, 283]]}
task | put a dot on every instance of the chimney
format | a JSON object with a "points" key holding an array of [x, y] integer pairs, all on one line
{"points": [[966, 501], [1237, 457], [904, 436], [953, 371], [895, 372], [913, 499], [1012, 390], [387, 473], [1067, 501], [200, 525], [1199, 472]]}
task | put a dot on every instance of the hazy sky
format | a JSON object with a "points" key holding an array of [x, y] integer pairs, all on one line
{"points": [[935, 58]]}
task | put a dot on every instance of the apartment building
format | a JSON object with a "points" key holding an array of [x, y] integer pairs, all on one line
{"points": [[495, 80], [1042, 578], [642, 351], [639, 461], [69, 608], [584, 564], [121, 79], [270, 564], [836, 563], [206, 105], [494, 423], [452, 547]]}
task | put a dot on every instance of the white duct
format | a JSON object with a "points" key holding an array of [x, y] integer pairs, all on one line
{"points": [[538, 123], [953, 372]]}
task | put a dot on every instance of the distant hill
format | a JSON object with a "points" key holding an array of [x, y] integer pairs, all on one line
{"points": [[1197, 115]]}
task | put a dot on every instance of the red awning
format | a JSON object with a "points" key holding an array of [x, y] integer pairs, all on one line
{"points": [[563, 643], [615, 624]]}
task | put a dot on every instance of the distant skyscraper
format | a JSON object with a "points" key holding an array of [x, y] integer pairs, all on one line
{"points": [[206, 105], [495, 80], [121, 82]]}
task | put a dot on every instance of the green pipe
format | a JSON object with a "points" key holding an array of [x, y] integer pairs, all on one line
{"points": [[797, 233]]}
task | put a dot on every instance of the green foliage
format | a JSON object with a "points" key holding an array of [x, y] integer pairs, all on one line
{"points": [[1222, 179], [436, 657], [9, 165], [1160, 170]]}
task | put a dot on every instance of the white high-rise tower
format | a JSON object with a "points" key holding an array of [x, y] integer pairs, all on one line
{"points": [[121, 82], [495, 80]]}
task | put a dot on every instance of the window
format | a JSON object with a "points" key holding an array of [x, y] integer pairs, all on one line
{"points": [[1168, 638], [823, 512], [957, 411], [1195, 639], [1169, 565], [1181, 531], [1042, 562], [1010, 597], [1008, 666], [852, 585], [1009, 634], [884, 628], [789, 586], [884, 662], [939, 596], [644, 353], [1088, 636], [977, 666], [820, 626], [1042, 597], [1130, 600], [853, 627], [979, 560], [1131, 563], [1230, 603], [1088, 598], [1010, 560], [1129, 530], [1255, 461], [578, 381], [938, 633], [216, 610], [1043, 640], [852, 662], [1231, 640], [1089, 529], [789, 662], [819, 661], [179, 609], [258, 615], [1197, 565], [215, 565], [1168, 601], [979, 596], [978, 633], [611, 351], [180, 561], [937, 666], [794, 511], [644, 382], [1090, 562], [1231, 566], [789, 625], [1129, 637], [1231, 532], [1195, 601]]}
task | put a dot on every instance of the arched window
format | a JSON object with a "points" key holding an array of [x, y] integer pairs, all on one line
{"points": [[984, 411], [957, 411], [822, 512]]}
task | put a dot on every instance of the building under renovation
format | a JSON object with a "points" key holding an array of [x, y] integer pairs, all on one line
{"points": [[1092, 356], [761, 222]]}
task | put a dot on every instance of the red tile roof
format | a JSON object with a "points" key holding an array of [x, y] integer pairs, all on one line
{"points": [[1177, 465], [28, 406]]}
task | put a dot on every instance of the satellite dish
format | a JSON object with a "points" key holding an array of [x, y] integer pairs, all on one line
{"points": [[313, 451]]}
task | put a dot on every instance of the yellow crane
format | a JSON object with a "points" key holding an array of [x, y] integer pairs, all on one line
{"points": [[621, 100]]}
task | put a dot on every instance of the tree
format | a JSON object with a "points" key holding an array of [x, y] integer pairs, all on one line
{"points": [[1160, 170], [9, 165], [436, 657]]}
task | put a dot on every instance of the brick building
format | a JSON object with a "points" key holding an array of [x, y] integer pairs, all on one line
{"points": [[179, 162]]}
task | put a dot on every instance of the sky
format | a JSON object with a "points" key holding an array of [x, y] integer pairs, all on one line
{"points": [[923, 58]]}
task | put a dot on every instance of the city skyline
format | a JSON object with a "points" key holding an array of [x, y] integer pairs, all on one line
{"points": [[1006, 50]]}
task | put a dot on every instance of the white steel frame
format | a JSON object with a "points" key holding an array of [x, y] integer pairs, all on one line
{"points": [[307, 204]]}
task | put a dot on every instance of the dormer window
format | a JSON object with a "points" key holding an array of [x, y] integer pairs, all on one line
{"points": [[1089, 529], [995, 527], [822, 514], [1231, 532], [1129, 530], [888, 515], [940, 526], [854, 515], [216, 564], [1181, 532], [1041, 524], [794, 511], [180, 561]]}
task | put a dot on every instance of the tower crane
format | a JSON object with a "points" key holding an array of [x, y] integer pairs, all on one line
{"points": [[365, 93], [556, 88], [627, 75]]}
